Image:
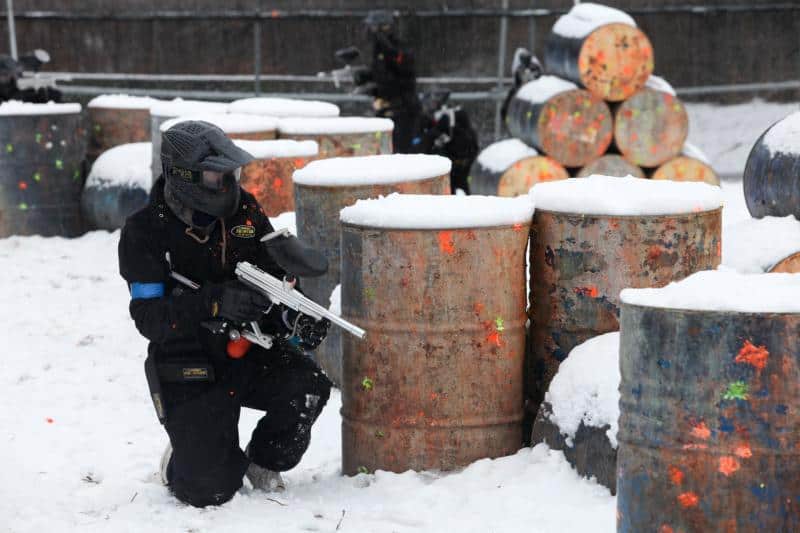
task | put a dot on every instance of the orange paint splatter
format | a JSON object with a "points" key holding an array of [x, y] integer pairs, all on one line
{"points": [[277, 184], [446, 243], [743, 451], [728, 465], [23, 186], [755, 356], [517, 227], [666, 529], [49, 420], [494, 338], [299, 163], [248, 222], [675, 475], [590, 291], [688, 499], [701, 431]]}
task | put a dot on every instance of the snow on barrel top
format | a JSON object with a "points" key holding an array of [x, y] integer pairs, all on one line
{"points": [[15, 107], [278, 148], [333, 125], [784, 137], [420, 211], [629, 196], [498, 156], [123, 101], [179, 106], [584, 18], [542, 89], [126, 165], [284, 107], [658, 83], [755, 245], [372, 170], [724, 291], [228, 122]]}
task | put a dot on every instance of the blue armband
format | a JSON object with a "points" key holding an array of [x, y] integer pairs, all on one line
{"points": [[143, 291]]}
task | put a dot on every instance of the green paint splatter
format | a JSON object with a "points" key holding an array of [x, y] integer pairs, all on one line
{"points": [[499, 324], [9, 148], [369, 293], [76, 175], [37, 177], [97, 127], [362, 470], [469, 179], [59, 164], [355, 146], [39, 137], [378, 135], [367, 383], [736, 391], [576, 114], [23, 206], [528, 115], [380, 434]]}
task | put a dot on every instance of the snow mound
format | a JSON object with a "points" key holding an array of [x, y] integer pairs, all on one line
{"points": [[628, 196], [372, 170], [658, 83], [126, 165], [784, 137], [724, 291], [179, 106], [336, 300], [334, 125], [284, 107], [542, 89], [693, 151], [285, 220], [586, 388], [279, 148], [499, 156], [584, 18], [754, 246], [422, 211], [122, 101], [228, 122], [15, 107]]}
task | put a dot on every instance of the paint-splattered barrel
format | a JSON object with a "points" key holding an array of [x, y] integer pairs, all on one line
{"points": [[691, 165], [322, 188], [269, 177], [710, 405], [42, 148], [592, 237], [284, 107], [438, 284], [611, 165], [569, 124], [510, 168], [116, 119], [164, 111], [341, 136], [600, 48], [772, 174]]}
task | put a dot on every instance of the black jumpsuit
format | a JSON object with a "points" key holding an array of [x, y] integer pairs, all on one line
{"points": [[202, 416]]}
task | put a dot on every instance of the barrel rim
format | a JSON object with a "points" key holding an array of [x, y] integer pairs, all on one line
{"points": [[677, 310], [368, 185], [707, 212], [514, 227]]}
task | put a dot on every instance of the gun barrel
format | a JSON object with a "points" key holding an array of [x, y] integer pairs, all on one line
{"points": [[279, 293]]}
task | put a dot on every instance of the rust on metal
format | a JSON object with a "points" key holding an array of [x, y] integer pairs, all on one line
{"points": [[611, 165], [579, 264], [347, 144], [270, 181], [437, 382], [684, 168], [710, 411], [110, 127], [787, 265]]}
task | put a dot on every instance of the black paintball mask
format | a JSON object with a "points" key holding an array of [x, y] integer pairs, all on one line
{"points": [[201, 167], [380, 23]]}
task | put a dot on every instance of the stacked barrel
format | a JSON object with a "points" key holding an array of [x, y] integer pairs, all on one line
{"points": [[599, 109]]}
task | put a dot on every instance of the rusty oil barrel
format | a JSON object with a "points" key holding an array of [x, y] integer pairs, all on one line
{"points": [[584, 252], [269, 177], [710, 407], [325, 187], [437, 382], [341, 136], [116, 119], [510, 168], [42, 148]]}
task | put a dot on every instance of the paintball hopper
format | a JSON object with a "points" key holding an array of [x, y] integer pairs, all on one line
{"points": [[294, 256], [347, 55]]}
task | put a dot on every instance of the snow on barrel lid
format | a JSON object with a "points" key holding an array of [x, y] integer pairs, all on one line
{"points": [[333, 125], [179, 106], [278, 148], [629, 196], [693, 151], [371, 170], [284, 107], [755, 245], [584, 18], [499, 156], [15, 107], [658, 83], [725, 291], [542, 89], [126, 165], [228, 122], [429, 211], [122, 101], [784, 136]]}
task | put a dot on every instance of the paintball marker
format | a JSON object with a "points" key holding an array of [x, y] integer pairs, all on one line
{"points": [[357, 75]]}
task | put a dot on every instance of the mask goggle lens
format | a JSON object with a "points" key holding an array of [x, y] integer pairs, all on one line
{"points": [[216, 180]]}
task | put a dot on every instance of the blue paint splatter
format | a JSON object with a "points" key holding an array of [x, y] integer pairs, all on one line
{"points": [[762, 393], [726, 425], [637, 391], [663, 363], [781, 409]]}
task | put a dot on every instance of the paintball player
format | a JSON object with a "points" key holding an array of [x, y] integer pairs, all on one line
{"points": [[525, 67], [199, 224]]}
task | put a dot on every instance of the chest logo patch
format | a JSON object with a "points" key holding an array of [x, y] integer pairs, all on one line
{"points": [[243, 232]]}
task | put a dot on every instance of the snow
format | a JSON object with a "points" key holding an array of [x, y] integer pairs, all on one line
{"points": [[629, 196], [690, 150], [754, 246], [585, 389], [278, 148], [725, 291], [126, 165], [499, 156], [784, 137], [335, 300], [81, 444], [179, 106], [420, 211], [658, 83], [285, 220], [328, 126], [284, 107], [586, 17], [228, 122], [542, 89], [122, 101], [15, 108], [371, 170]]}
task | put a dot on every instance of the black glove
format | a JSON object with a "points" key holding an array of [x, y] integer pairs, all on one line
{"points": [[237, 302]]}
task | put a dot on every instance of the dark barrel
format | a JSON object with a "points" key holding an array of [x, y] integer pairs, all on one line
{"points": [[42, 148], [510, 168], [772, 175], [116, 119]]}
